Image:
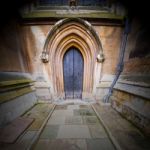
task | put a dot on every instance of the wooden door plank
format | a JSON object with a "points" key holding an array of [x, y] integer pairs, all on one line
{"points": [[73, 67]]}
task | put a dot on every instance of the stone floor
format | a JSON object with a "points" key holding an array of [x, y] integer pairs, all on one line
{"points": [[38, 113], [124, 134], [74, 127]]}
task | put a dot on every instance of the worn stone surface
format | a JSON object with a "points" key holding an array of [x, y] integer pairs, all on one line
{"points": [[83, 112], [73, 131], [10, 110], [99, 144], [62, 144], [12, 131], [36, 124], [74, 120], [126, 134], [134, 108], [72, 107], [90, 120], [58, 107], [24, 140], [63, 113], [97, 131], [50, 132], [55, 120], [81, 130]]}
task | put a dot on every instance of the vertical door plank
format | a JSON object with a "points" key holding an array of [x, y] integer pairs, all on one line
{"points": [[73, 67], [78, 74], [68, 74]]}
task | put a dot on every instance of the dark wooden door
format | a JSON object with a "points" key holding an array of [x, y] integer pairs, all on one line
{"points": [[73, 73]]}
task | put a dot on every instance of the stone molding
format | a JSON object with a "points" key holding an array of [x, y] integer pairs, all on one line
{"points": [[13, 85], [72, 32]]}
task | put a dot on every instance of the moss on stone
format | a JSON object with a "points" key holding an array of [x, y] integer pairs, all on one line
{"points": [[53, 14], [4, 97], [13, 82]]}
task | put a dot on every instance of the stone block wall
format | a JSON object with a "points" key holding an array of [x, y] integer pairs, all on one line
{"points": [[111, 39], [131, 94], [17, 92], [16, 107], [133, 107], [13, 56], [34, 40], [17, 95]]}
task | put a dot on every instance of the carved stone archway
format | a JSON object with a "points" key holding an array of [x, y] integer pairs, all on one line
{"points": [[68, 33]]}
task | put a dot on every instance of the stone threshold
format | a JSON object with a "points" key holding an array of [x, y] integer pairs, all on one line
{"points": [[74, 101]]}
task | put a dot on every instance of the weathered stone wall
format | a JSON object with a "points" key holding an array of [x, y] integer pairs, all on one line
{"points": [[111, 39], [12, 55], [131, 93], [34, 40], [35, 36], [16, 84], [16, 107]]}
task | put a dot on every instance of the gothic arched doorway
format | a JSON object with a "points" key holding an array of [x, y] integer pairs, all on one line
{"points": [[73, 66], [79, 34]]}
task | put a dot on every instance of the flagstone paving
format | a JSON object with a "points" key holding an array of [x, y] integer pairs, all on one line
{"points": [[77, 127], [127, 136], [73, 127], [38, 114]]}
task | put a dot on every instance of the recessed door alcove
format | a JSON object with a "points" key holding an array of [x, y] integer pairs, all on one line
{"points": [[78, 34]]}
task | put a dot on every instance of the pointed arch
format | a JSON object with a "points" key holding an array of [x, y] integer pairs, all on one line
{"points": [[72, 32], [85, 24]]}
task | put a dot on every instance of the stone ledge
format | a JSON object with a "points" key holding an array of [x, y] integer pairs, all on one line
{"points": [[54, 14], [123, 103], [14, 82], [140, 79], [135, 90], [28, 138], [104, 85], [124, 135], [7, 96], [138, 118], [141, 84]]}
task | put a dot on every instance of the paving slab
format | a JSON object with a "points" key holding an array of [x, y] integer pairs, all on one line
{"points": [[73, 131], [97, 131], [61, 107], [84, 112], [56, 120], [90, 120], [74, 127], [61, 144], [12, 131], [24, 141], [73, 120], [73, 107], [16, 146], [37, 123], [84, 106], [50, 132], [125, 134], [62, 113], [99, 144], [39, 111]]}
